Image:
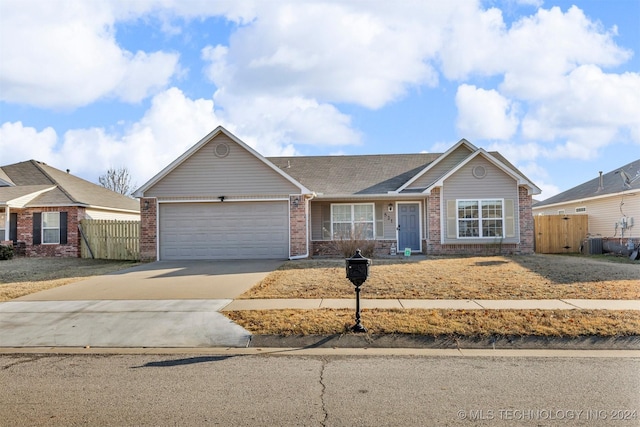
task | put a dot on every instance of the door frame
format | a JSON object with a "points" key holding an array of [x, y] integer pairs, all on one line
{"points": [[413, 202]]}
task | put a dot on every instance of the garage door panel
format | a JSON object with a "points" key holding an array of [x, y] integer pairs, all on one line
{"points": [[224, 230]]}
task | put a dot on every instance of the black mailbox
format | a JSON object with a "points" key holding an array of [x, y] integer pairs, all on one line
{"points": [[357, 273], [358, 268]]}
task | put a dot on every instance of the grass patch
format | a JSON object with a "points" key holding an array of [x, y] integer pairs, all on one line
{"points": [[493, 277], [544, 323], [23, 276]]}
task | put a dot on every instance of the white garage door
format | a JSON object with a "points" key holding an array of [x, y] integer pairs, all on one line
{"points": [[224, 230]]}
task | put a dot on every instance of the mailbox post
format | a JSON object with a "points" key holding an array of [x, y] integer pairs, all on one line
{"points": [[357, 273]]}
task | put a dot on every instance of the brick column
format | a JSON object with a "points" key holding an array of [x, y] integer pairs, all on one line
{"points": [[298, 211], [435, 225], [527, 237], [148, 228]]}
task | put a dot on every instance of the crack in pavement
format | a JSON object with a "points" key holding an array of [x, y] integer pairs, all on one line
{"points": [[322, 392]]}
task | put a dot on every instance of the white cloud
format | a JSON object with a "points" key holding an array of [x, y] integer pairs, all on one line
{"points": [[14, 147], [592, 109], [485, 114], [63, 54], [274, 124], [172, 124], [539, 51], [331, 52]]}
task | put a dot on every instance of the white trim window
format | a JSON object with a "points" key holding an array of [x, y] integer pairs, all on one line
{"points": [[581, 209], [51, 228], [353, 221], [480, 218]]}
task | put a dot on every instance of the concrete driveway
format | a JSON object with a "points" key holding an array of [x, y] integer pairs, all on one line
{"points": [[161, 304]]}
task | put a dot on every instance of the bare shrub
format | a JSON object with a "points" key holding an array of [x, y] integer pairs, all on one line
{"points": [[347, 247]]}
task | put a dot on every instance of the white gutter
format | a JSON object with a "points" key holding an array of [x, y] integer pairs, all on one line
{"points": [[308, 213]]}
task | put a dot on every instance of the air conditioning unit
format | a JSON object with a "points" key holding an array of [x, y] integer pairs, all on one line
{"points": [[592, 246]]}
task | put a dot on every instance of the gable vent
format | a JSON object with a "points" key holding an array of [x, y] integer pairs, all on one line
{"points": [[221, 150], [479, 172]]}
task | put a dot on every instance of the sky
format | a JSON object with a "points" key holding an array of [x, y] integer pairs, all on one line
{"points": [[554, 86]]}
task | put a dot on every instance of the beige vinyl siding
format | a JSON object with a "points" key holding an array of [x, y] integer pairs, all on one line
{"points": [[441, 168], [111, 215], [462, 185], [603, 213], [205, 174], [320, 221]]}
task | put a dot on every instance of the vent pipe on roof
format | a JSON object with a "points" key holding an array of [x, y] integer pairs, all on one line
{"points": [[601, 183], [68, 170]]}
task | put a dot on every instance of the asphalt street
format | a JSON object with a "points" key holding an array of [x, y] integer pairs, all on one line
{"points": [[317, 390]]}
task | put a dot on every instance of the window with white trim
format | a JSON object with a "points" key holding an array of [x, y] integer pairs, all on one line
{"points": [[582, 209], [355, 221], [50, 227], [480, 218]]}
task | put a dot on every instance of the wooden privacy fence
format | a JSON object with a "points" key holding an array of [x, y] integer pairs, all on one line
{"points": [[559, 234], [107, 239]]}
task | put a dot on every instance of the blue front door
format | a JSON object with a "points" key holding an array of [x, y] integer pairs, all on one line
{"points": [[409, 226]]}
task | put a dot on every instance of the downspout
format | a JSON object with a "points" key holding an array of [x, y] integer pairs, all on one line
{"points": [[308, 213]]}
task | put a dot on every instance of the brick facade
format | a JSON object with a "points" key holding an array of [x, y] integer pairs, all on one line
{"points": [[329, 248], [527, 236], [148, 228], [434, 225], [25, 246], [298, 208]]}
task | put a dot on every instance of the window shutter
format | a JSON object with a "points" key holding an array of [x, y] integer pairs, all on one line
{"points": [[451, 219], [509, 218], [13, 227], [37, 228], [63, 228]]}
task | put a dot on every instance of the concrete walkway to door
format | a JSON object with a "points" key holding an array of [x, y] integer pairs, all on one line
{"points": [[161, 304]]}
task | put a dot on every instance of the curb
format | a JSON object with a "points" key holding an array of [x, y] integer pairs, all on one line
{"points": [[447, 342]]}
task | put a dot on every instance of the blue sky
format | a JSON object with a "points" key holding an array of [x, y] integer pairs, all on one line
{"points": [[552, 85]]}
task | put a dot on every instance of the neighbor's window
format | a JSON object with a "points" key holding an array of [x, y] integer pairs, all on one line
{"points": [[480, 218], [581, 209], [51, 227], [352, 221]]}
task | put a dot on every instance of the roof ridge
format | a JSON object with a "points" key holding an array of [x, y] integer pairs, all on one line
{"points": [[353, 155], [53, 180]]}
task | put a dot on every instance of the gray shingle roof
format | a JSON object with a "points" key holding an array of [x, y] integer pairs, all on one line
{"points": [[612, 183], [70, 190], [359, 175]]}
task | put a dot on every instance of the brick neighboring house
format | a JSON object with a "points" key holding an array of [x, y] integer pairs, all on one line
{"points": [[41, 207], [223, 200]]}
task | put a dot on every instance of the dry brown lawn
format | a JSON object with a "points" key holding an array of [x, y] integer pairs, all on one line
{"points": [[526, 277], [565, 323], [494, 277], [23, 276]]}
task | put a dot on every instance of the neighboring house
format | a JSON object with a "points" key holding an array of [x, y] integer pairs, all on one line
{"points": [[41, 207], [611, 201], [223, 200]]}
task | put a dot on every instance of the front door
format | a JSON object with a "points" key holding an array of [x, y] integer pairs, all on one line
{"points": [[409, 226]]}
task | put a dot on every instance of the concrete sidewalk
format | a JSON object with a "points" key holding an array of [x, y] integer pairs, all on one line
{"points": [[545, 304]]}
